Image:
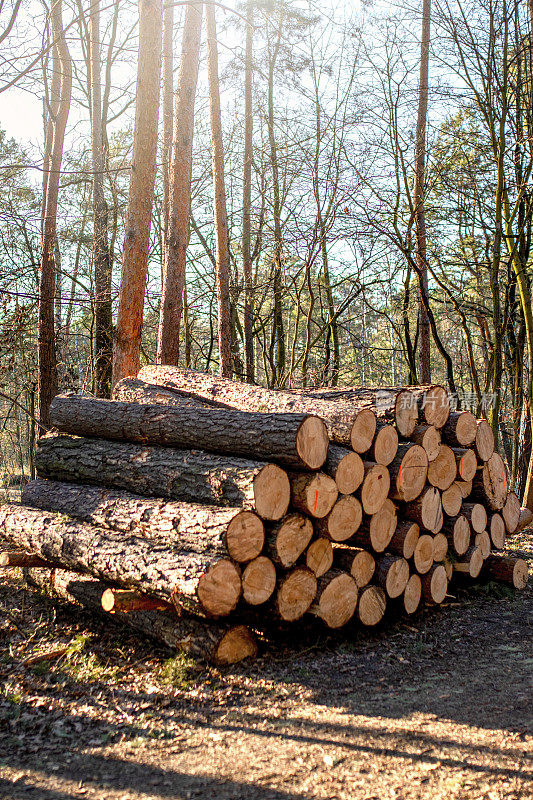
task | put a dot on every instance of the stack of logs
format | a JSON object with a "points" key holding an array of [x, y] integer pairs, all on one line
{"points": [[204, 511]]}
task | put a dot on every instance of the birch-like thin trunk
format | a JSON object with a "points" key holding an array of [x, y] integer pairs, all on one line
{"points": [[420, 165], [55, 135], [103, 319], [180, 190], [221, 217], [247, 199], [127, 349], [168, 96]]}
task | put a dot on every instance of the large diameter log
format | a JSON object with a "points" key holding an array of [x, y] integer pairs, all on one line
{"points": [[511, 512], [404, 539], [190, 526], [313, 493], [424, 554], [346, 469], [392, 574], [476, 515], [342, 521], [408, 472], [258, 581], [288, 539], [189, 475], [466, 463], [470, 563], [490, 483], [484, 442], [215, 642], [426, 510], [295, 594], [435, 584], [428, 437], [513, 571], [375, 488], [336, 599], [496, 529], [319, 556], [196, 581], [385, 444], [371, 606], [133, 390], [299, 441], [358, 562], [433, 403], [19, 558], [350, 424], [377, 531], [443, 470], [338, 409], [457, 531], [460, 430], [412, 594], [452, 499], [440, 547]]}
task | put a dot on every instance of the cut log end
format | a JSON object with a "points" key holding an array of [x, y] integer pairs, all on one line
{"points": [[458, 530], [375, 489], [436, 406], [440, 547], [476, 515], [382, 526], [466, 464], [392, 574], [385, 445], [337, 600], [296, 594], [349, 473], [313, 493], [363, 430], [319, 556], [219, 589], [496, 528], [404, 540], [435, 584], [412, 594], [470, 563], [258, 581], [484, 442], [513, 571], [363, 568], [424, 554], [511, 512], [452, 499], [290, 538], [482, 540], [409, 473], [428, 437], [245, 536], [342, 521], [406, 413], [461, 429], [443, 470], [272, 492], [312, 442], [371, 606], [236, 645], [490, 483]]}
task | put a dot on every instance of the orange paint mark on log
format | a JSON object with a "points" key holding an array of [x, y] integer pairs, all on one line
{"points": [[400, 476], [316, 500], [461, 467]]}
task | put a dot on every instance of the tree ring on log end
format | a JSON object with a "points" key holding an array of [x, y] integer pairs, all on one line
{"points": [[296, 594], [412, 594], [272, 492], [312, 442], [238, 643], [258, 581], [363, 430], [245, 536], [319, 556], [337, 602], [219, 588]]}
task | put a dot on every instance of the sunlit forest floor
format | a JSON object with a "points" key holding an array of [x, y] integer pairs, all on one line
{"points": [[438, 707]]}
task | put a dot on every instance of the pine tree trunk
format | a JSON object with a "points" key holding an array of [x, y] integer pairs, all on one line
{"points": [[221, 217], [127, 349], [180, 190], [247, 199], [57, 120]]}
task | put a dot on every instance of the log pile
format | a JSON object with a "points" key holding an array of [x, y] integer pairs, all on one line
{"points": [[204, 512]]}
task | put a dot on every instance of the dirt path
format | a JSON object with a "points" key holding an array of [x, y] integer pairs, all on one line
{"points": [[437, 708]]}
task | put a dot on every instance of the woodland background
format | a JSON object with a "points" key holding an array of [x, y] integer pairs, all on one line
{"points": [[332, 293]]}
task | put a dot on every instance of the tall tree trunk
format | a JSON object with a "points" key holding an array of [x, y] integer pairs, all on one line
{"points": [[180, 190], [420, 161], [277, 340], [127, 350], [168, 95], [247, 198], [101, 260], [55, 134], [221, 218]]}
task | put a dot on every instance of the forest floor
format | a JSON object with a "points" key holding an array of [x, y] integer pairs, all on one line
{"points": [[436, 707]]}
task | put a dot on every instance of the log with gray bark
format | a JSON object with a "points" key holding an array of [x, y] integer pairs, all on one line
{"points": [[188, 525], [199, 581], [299, 441], [188, 475], [216, 642]]}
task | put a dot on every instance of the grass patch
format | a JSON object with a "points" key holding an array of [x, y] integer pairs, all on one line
{"points": [[77, 663], [181, 671]]}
